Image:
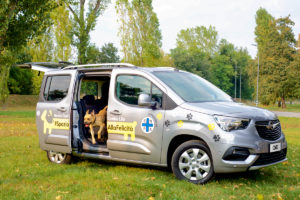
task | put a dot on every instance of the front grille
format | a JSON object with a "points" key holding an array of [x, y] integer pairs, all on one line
{"points": [[266, 132], [268, 158]]}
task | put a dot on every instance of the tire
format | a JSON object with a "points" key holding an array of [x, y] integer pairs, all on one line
{"points": [[59, 158], [192, 161]]}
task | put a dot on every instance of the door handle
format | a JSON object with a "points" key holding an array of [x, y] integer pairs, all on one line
{"points": [[62, 109], [116, 112]]}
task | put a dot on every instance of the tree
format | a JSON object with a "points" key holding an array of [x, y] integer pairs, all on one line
{"points": [[23, 20], [62, 27], [139, 31], [194, 49], [238, 59], [92, 54], [295, 76], [281, 55], [20, 80], [193, 61], [276, 43], [222, 73], [199, 52], [41, 49], [198, 38], [20, 21], [166, 59], [107, 54], [223, 65], [243, 62], [84, 21], [262, 30]]}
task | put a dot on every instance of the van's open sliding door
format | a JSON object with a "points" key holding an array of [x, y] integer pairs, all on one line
{"points": [[53, 111]]}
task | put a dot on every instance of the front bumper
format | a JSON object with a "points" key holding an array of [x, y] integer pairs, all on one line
{"points": [[266, 165], [259, 151]]}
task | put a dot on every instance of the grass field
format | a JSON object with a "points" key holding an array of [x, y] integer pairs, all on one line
{"points": [[25, 172], [289, 108], [274, 107]]}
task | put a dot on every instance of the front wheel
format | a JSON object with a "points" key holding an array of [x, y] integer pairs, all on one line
{"points": [[59, 158], [192, 161]]}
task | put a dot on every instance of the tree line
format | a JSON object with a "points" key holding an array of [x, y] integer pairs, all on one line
{"points": [[60, 30]]}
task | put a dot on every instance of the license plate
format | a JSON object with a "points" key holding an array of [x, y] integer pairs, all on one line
{"points": [[275, 147]]}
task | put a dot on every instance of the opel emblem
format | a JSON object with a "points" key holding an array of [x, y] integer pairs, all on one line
{"points": [[271, 126]]}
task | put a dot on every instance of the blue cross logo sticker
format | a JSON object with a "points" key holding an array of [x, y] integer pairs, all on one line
{"points": [[147, 125]]}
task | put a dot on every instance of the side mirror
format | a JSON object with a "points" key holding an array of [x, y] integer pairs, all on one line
{"points": [[146, 101]]}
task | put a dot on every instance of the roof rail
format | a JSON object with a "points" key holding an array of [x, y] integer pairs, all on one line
{"points": [[100, 65], [65, 62]]}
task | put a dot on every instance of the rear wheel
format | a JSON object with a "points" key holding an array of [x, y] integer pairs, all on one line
{"points": [[192, 161], [59, 158]]}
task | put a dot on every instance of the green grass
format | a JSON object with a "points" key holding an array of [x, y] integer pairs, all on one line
{"points": [[19, 102], [289, 107], [25, 172]]}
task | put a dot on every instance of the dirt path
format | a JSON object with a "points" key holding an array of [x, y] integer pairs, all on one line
{"points": [[287, 114]]}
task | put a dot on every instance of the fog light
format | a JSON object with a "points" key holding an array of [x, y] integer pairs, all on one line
{"points": [[236, 154]]}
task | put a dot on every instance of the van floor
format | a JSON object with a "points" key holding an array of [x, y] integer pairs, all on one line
{"points": [[87, 146]]}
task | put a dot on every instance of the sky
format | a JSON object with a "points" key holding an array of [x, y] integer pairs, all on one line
{"points": [[233, 19]]}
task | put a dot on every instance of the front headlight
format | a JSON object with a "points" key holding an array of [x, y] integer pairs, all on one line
{"points": [[231, 123]]}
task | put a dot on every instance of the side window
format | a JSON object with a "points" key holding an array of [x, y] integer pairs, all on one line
{"points": [[89, 88], [56, 87], [157, 95], [129, 87]]}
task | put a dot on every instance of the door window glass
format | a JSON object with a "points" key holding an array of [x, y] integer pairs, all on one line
{"points": [[129, 87], [56, 87], [157, 95], [89, 88]]}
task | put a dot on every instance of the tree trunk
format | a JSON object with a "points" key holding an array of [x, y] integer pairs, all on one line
{"points": [[279, 103], [283, 105], [6, 61]]}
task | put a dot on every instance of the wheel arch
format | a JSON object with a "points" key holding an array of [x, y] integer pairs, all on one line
{"points": [[178, 140]]}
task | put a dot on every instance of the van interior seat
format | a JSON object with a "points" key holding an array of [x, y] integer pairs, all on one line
{"points": [[88, 103]]}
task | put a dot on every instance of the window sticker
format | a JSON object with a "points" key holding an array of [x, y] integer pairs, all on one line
{"points": [[147, 125], [53, 123], [125, 128]]}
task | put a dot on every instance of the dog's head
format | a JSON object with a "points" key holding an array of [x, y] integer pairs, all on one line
{"points": [[89, 118]]}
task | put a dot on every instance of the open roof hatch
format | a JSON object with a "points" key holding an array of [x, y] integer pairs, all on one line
{"points": [[45, 66], [51, 66]]}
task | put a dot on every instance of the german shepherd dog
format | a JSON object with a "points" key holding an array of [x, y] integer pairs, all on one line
{"points": [[91, 120]]}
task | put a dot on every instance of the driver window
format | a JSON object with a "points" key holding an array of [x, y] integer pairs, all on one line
{"points": [[129, 87], [157, 95]]}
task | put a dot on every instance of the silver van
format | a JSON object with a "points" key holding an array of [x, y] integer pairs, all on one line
{"points": [[156, 116]]}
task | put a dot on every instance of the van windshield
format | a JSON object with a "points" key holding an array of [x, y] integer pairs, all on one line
{"points": [[191, 88]]}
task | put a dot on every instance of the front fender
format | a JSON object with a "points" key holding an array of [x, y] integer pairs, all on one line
{"points": [[184, 123]]}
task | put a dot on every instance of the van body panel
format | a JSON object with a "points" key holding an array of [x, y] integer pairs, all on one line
{"points": [[53, 117], [232, 109], [121, 143], [180, 121]]}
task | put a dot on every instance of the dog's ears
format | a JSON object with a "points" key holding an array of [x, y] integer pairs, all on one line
{"points": [[93, 112], [87, 112]]}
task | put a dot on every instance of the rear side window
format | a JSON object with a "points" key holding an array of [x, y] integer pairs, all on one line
{"points": [[56, 87], [129, 87]]}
